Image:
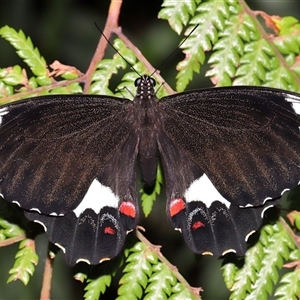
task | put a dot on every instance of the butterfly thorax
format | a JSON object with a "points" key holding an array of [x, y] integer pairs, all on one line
{"points": [[146, 110]]}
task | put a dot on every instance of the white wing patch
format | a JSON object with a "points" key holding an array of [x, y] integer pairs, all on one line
{"points": [[36, 210], [203, 190], [295, 100], [83, 260], [16, 202], [97, 196], [41, 223], [61, 247], [3, 112]]}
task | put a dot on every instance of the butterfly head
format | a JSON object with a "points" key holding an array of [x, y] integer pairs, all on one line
{"points": [[145, 87]]}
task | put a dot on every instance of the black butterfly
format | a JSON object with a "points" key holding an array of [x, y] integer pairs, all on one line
{"points": [[227, 154]]}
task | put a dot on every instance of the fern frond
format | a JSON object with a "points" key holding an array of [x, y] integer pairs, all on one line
{"points": [[211, 18], [179, 293], [9, 230], [160, 283], [96, 287], [149, 199], [224, 60], [254, 63], [72, 88], [178, 13], [107, 67], [26, 50], [289, 286], [26, 260], [5, 89], [13, 75], [259, 274], [137, 271]]}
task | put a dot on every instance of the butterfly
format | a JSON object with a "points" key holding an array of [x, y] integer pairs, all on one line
{"points": [[228, 154]]}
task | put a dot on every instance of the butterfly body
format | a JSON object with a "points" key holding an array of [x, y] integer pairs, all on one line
{"points": [[227, 155]]}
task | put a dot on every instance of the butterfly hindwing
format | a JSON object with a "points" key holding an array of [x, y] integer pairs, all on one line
{"points": [[220, 229]]}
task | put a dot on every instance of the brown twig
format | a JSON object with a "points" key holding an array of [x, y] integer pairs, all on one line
{"points": [[47, 277], [111, 24], [141, 57], [40, 89], [13, 240]]}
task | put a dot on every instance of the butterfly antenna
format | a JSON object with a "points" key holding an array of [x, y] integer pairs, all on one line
{"points": [[117, 51], [176, 49]]}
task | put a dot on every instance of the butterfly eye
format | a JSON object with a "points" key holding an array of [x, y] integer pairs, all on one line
{"points": [[137, 82], [152, 81]]}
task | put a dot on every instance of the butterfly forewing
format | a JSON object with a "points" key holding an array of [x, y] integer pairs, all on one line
{"points": [[51, 148]]}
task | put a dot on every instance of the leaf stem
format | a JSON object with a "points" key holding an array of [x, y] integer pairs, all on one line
{"points": [[47, 277], [13, 240]]}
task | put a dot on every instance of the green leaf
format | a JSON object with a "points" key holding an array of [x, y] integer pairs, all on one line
{"points": [[229, 273], [97, 287], [13, 75], [227, 52], [289, 286], [254, 63], [149, 199], [179, 293], [5, 90], [26, 260], [107, 67], [210, 19], [25, 50], [256, 279], [287, 25], [10, 230], [160, 283], [137, 271], [178, 13]]}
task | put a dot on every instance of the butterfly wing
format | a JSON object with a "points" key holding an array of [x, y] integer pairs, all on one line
{"points": [[209, 223], [62, 159], [235, 148], [96, 229], [52, 148], [246, 140]]}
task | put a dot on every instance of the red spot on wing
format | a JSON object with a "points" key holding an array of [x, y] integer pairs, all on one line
{"points": [[127, 208], [197, 225], [176, 206], [109, 230]]}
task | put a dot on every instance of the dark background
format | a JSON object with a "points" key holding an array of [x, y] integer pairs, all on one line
{"points": [[64, 30]]}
